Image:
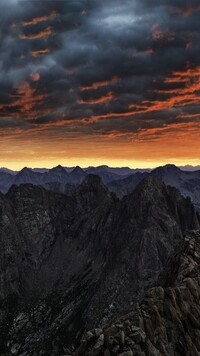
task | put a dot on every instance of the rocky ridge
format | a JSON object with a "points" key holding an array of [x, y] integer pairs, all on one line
{"points": [[187, 182], [121, 181], [166, 322]]}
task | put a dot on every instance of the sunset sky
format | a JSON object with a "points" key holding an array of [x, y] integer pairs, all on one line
{"points": [[93, 82]]}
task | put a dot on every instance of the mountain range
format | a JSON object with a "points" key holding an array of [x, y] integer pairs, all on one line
{"points": [[74, 263], [120, 181]]}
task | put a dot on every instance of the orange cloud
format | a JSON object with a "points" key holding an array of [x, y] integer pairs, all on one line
{"points": [[187, 11], [36, 20], [176, 101], [190, 72], [47, 32], [175, 79], [150, 106], [98, 85], [25, 99], [149, 51], [102, 99], [179, 97], [40, 52], [191, 78], [35, 76], [96, 118]]}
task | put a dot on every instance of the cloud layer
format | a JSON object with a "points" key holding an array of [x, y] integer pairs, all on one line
{"points": [[103, 71]]}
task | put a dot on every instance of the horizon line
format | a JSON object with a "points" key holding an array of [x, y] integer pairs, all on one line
{"points": [[102, 165]]}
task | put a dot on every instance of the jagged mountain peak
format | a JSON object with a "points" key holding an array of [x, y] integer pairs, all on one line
{"points": [[152, 200], [78, 170], [27, 175], [58, 169], [25, 170], [150, 187], [152, 190], [77, 175], [168, 168], [92, 191], [24, 174]]}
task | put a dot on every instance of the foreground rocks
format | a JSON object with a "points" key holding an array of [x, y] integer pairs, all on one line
{"points": [[166, 322], [70, 264]]}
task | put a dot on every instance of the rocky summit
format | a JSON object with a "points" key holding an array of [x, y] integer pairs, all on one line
{"points": [[74, 263]]}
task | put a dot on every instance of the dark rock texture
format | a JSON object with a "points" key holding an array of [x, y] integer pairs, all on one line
{"points": [[73, 263], [166, 322]]}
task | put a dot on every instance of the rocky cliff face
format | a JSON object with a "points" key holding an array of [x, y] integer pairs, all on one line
{"points": [[72, 263], [166, 322]]}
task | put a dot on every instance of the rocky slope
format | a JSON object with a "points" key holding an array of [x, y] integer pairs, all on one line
{"points": [[187, 182], [72, 263], [166, 322]]}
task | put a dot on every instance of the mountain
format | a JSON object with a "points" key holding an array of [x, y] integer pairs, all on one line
{"points": [[189, 168], [68, 264], [6, 170], [40, 170], [77, 175], [187, 182], [57, 178], [56, 174], [36, 177], [122, 171], [27, 175], [69, 169], [64, 188], [125, 186], [104, 174], [5, 181], [165, 322], [63, 180]]}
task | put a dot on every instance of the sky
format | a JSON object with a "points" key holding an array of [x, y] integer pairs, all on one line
{"points": [[93, 82]]}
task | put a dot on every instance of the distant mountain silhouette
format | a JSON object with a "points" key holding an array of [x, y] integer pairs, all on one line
{"points": [[118, 180]]}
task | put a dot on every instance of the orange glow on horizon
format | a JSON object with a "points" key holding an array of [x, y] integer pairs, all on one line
{"points": [[84, 141], [148, 148], [84, 86]]}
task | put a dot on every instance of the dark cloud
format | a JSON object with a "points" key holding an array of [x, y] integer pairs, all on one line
{"points": [[121, 66]]}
